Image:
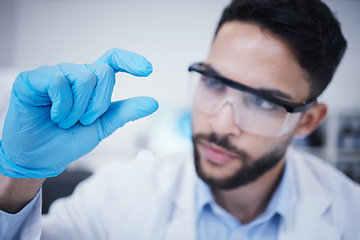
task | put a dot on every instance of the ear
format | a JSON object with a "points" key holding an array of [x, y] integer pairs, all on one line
{"points": [[310, 120]]}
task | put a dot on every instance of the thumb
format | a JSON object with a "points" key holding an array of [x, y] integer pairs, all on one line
{"points": [[122, 112]]}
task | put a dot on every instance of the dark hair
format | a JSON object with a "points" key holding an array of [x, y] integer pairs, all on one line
{"points": [[308, 26]]}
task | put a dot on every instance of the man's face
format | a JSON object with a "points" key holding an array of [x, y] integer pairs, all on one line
{"points": [[226, 156]]}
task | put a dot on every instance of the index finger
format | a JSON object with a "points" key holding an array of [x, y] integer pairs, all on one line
{"points": [[126, 61]]}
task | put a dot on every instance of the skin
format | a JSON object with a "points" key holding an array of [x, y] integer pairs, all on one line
{"points": [[256, 58], [15, 193]]}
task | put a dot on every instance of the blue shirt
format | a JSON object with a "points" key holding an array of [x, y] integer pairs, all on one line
{"points": [[216, 223]]}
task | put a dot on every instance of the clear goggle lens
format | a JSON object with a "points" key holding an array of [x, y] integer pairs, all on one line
{"points": [[251, 112]]}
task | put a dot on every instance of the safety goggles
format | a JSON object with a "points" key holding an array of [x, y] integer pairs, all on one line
{"points": [[254, 111]]}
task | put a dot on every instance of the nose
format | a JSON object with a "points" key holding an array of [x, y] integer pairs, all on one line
{"points": [[223, 121]]}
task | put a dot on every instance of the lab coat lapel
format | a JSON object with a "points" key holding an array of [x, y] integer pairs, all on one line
{"points": [[182, 227], [308, 225], [182, 224], [309, 203]]}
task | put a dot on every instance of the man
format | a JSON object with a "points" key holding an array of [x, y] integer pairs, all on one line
{"points": [[256, 90]]}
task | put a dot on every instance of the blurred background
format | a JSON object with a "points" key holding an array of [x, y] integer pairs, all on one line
{"points": [[172, 35]]}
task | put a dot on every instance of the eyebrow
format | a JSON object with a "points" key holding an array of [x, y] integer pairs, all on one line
{"points": [[275, 93], [211, 69], [266, 91]]}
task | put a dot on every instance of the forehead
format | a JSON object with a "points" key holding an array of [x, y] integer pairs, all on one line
{"points": [[254, 57]]}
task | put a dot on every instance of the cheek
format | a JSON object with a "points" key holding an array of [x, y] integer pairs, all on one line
{"points": [[200, 122], [257, 146], [267, 146], [254, 146]]}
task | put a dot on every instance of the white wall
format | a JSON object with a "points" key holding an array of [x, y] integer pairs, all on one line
{"points": [[7, 31], [171, 34], [342, 93]]}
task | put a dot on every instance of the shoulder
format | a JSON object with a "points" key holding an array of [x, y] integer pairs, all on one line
{"points": [[318, 178], [323, 172]]}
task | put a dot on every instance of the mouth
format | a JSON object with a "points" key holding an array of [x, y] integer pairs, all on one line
{"points": [[215, 154]]}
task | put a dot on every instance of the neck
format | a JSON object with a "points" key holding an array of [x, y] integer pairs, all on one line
{"points": [[249, 201]]}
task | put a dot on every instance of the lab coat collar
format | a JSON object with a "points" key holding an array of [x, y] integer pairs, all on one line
{"points": [[308, 203]]}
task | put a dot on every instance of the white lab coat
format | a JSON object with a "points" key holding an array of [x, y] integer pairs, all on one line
{"points": [[155, 200]]}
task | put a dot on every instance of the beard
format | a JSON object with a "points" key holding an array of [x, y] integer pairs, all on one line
{"points": [[251, 169]]}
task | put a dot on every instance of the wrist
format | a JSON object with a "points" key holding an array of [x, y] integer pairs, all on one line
{"points": [[15, 193]]}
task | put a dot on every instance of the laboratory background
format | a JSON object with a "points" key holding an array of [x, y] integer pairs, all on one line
{"points": [[172, 35]]}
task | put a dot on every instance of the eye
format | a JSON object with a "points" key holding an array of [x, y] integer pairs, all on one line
{"points": [[261, 103], [212, 83]]}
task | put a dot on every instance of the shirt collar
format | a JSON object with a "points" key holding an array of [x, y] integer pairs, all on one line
{"points": [[204, 195], [279, 201]]}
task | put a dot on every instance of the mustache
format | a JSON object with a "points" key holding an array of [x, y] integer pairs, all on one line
{"points": [[222, 141]]}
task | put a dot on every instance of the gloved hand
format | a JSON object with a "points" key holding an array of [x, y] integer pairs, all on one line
{"points": [[58, 114]]}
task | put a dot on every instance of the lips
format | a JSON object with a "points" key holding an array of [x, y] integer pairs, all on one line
{"points": [[215, 154]]}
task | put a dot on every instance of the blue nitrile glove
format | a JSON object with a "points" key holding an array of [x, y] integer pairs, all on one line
{"points": [[58, 114]]}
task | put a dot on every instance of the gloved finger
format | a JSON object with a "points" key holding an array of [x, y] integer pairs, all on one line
{"points": [[104, 68], [45, 86], [101, 98], [121, 112], [82, 82], [126, 61]]}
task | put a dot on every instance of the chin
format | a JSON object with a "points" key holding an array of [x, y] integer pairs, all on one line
{"points": [[219, 171]]}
